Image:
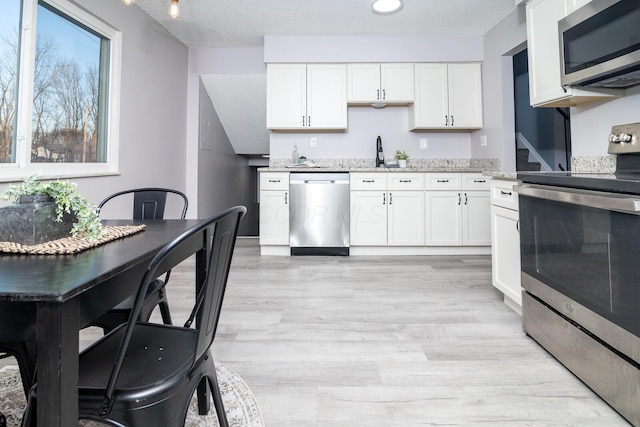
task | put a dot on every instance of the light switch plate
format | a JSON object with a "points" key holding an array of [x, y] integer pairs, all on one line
{"points": [[483, 140], [313, 142], [423, 144]]}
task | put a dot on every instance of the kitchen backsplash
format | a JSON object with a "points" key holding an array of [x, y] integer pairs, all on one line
{"points": [[434, 164], [593, 164]]}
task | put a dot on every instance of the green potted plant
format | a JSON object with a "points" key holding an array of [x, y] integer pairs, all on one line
{"points": [[69, 207], [402, 158]]}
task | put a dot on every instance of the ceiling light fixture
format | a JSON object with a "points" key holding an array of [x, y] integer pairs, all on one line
{"points": [[174, 10], [128, 2], [386, 7]]}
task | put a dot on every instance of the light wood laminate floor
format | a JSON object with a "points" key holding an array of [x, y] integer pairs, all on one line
{"points": [[385, 341]]}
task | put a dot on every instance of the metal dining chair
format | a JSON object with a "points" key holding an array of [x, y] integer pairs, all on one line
{"points": [[145, 374], [18, 338], [148, 204]]}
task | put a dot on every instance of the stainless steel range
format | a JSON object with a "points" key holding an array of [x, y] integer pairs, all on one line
{"points": [[580, 254]]}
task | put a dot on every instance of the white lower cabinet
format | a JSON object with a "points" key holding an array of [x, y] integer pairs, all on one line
{"points": [[368, 218], [457, 210], [405, 218], [387, 209], [274, 208], [505, 242]]}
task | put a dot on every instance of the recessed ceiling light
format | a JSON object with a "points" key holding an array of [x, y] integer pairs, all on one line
{"points": [[386, 7]]}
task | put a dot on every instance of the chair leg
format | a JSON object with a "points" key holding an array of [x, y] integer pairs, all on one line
{"points": [[217, 401]]}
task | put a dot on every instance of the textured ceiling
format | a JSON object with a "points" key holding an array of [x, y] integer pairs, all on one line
{"points": [[233, 23]]}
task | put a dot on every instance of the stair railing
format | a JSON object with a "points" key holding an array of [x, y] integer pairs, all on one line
{"points": [[523, 142]]}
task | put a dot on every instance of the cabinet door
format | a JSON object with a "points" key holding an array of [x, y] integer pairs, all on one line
{"points": [[406, 218], [327, 96], [543, 50], [368, 218], [286, 96], [505, 252], [476, 218], [465, 96], [396, 82], [443, 218], [274, 218], [363, 83], [430, 108]]}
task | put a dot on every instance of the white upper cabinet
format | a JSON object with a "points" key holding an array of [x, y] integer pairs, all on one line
{"points": [[543, 49], [306, 96], [390, 83], [448, 96]]}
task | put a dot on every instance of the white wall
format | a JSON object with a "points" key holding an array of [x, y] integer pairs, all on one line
{"points": [[366, 123], [153, 104], [359, 141], [500, 43], [204, 61], [591, 123]]}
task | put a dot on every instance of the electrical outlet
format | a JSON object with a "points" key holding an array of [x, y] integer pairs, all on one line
{"points": [[423, 144], [483, 140], [313, 142]]}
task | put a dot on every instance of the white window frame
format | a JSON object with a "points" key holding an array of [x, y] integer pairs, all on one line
{"points": [[23, 167]]}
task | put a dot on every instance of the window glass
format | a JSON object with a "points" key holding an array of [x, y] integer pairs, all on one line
{"points": [[68, 69], [9, 24]]}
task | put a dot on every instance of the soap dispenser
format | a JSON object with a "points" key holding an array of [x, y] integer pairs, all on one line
{"points": [[294, 155]]}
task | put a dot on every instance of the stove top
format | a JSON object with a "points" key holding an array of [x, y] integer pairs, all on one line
{"points": [[624, 142], [619, 182]]}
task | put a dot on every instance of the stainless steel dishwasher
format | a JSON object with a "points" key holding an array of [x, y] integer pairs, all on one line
{"points": [[319, 213]]}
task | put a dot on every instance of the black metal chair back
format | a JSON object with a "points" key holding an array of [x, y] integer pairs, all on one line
{"points": [[149, 203]]}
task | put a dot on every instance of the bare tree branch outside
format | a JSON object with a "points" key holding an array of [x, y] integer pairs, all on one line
{"points": [[65, 92]]}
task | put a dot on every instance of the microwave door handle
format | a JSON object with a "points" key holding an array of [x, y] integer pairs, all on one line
{"points": [[591, 199]]}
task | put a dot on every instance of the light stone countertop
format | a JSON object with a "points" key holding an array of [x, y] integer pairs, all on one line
{"points": [[368, 165]]}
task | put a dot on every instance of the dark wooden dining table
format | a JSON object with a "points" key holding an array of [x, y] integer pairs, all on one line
{"points": [[69, 291]]}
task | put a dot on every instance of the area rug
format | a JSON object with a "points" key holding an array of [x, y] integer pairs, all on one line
{"points": [[240, 405]]}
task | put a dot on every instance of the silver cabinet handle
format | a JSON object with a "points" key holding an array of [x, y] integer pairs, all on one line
{"points": [[518, 226], [593, 199]]}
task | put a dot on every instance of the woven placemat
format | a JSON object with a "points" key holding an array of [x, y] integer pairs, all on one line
{"points": [[71, 245]]}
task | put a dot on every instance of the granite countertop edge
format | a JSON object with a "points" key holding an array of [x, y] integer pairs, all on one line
{"points": [[381, 169]]}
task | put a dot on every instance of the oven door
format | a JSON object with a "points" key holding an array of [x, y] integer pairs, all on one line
{"points": [[585, 245]]}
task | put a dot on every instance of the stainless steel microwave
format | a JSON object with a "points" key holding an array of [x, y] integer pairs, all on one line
{"points": [[600, 45]]}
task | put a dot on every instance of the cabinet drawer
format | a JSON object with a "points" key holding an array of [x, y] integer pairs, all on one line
{"points": [[368, 181], [475, 181], [442, 181], [274, 180], [405, 181], [503, 194]]}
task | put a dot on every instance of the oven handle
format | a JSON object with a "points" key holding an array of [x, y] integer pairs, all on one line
{"points": [[592, 199]]}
